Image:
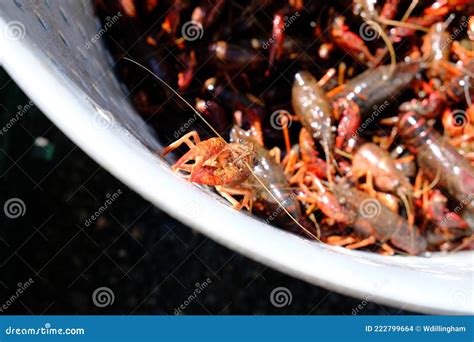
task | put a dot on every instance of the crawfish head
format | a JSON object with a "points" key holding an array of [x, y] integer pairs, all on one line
{"points": [[238, 155], [228, 166]]}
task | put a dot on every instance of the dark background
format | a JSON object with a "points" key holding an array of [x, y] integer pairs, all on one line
{"points": [[150, 261]]}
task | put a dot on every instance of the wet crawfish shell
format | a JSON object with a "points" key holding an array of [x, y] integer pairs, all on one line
{"points": [[373, 87], [273, 178], [313, 108], [437, 157], [230, 165], [372, 218], [370, 157]]}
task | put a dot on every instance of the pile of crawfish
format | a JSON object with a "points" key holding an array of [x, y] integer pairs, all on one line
{"points": [[350, 122]]}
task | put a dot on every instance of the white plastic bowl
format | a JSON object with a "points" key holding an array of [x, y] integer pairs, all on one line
{"points": [[43, 47]]}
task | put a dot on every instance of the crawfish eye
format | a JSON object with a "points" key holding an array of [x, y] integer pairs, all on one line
{"points": [[241, 141]]}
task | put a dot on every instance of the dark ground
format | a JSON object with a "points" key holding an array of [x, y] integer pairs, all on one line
{"points": [[150, 261]]}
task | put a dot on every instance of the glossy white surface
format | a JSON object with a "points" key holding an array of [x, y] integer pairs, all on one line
{"points": [[84, 100]]}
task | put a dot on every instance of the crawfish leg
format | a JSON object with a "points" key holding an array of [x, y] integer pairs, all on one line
{"points": [[298, 177], [363, 243], [276, 153], [337, 240], [229, 192], [185, 139], [290, 162], [387, 249]]}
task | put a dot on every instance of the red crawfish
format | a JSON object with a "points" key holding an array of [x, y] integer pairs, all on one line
{"points": [[278, 39], [240, 168], [350, 42], [213, 161], [317, 195], [310, 160]]}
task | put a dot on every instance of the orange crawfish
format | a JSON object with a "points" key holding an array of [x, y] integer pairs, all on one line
{"points": [[228, 167], [213, 161]]}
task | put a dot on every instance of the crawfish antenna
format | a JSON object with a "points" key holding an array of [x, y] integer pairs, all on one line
{"points": [[176, 93], [388, 43], [467, 84], [397, 23], [448, 21], [409, 10], [409, 211], [430, 186]]}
